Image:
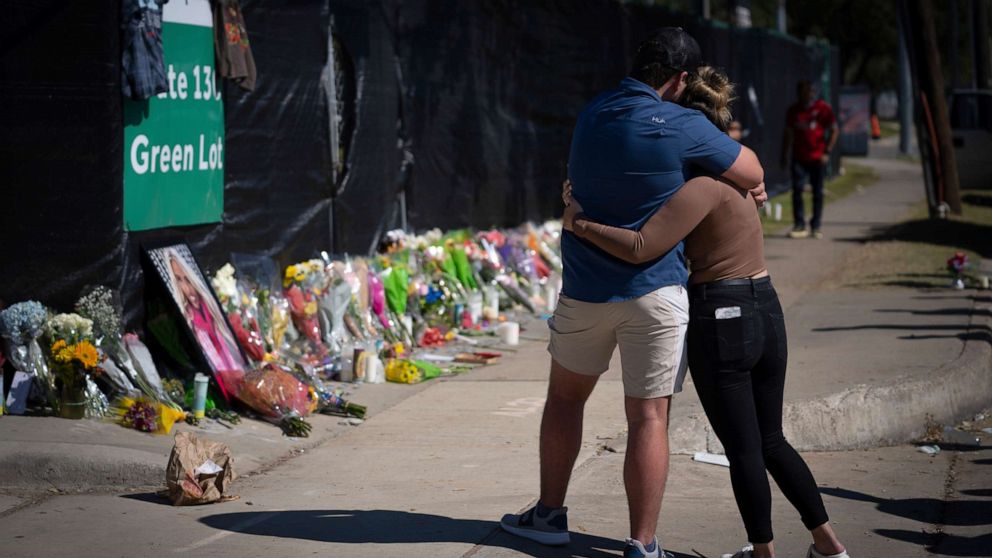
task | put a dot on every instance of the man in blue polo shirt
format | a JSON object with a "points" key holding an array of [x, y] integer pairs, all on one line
{"points": [[631, 151]]}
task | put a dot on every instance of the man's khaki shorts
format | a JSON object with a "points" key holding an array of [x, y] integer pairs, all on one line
{"points": [[650, 331]]}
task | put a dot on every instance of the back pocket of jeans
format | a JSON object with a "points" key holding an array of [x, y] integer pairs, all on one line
{"points": [[729, 339]]}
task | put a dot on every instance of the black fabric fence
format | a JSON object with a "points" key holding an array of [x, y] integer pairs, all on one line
{"points": [[451, 113]]}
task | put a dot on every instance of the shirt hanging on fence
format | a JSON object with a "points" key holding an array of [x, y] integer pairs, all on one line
{"points": [[234, 59], [142, 64]]}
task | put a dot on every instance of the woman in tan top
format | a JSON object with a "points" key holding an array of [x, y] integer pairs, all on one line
{"points": [[736, 341]]}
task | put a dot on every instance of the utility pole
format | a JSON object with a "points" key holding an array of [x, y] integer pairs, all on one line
{"points": [[981, 38], [930, 80], [783, 25], [905, 90]]}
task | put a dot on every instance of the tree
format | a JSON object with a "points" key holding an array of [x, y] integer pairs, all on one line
{"points": [[930, 81]]}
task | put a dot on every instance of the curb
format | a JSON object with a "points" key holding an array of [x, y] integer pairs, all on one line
{"points": [[112, 468], [876, 415], [70, 467]]}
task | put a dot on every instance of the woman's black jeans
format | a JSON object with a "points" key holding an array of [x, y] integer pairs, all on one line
{"points": [[737, 357]]}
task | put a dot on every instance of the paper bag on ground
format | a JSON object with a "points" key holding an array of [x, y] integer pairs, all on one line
{"points": [[199, 471]]}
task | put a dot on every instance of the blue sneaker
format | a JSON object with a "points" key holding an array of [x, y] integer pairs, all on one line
{"points": [[635, 549], [552, 529]]}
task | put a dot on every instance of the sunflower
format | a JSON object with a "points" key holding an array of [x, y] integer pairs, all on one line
{"points": [[86, 353], [62, 352]]}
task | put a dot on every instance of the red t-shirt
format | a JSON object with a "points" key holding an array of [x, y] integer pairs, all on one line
{"points": [[809, 125]]}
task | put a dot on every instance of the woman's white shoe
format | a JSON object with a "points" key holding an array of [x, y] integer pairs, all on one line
{"points": [[814, 554], [746, 551]]}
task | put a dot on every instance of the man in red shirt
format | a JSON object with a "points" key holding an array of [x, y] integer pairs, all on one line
{"points": [[806, 125]]}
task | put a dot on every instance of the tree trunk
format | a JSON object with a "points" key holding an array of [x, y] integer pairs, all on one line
{"points": [[930, 80]]}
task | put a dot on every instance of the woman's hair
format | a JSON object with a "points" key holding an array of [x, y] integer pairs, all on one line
{"points": [[710, 92]]}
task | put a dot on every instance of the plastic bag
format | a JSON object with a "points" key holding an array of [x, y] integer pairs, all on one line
{"points": [[199, 471]]}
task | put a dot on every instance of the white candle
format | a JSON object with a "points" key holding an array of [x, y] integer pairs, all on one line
{"points": [[509, 333]]}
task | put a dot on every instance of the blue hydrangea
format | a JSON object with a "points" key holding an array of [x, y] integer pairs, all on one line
{"points": [[23, 321]]}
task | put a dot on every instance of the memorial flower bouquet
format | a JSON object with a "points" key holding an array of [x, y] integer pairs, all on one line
{"points": [[146, 414], [957, 264], [303, 284], [280, 397], [335, 305], [241, 304], [21, 325], [74, 361], [102, 306], [405, 371]]}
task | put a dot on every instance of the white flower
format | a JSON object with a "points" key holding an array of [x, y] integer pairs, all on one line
{"points": [[73, 326], [224, 283]]}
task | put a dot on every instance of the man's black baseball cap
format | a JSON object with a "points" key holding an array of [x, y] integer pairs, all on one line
{"points": [[670, 47]]}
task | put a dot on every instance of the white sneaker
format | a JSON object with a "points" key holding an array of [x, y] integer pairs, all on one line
{"points": [[814, 554], [746, 551]]}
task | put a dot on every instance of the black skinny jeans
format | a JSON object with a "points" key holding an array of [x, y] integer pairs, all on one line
{"points": [[737, 357]]}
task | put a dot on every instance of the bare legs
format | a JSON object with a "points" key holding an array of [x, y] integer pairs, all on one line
{"points": [[561, 431], [645, 467], [646, 462]]}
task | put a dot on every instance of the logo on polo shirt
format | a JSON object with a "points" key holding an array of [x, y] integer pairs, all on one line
{"points": [[657, 120]]}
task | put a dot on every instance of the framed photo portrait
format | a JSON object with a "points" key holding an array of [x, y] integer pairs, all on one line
{"points": [[200, 312]]}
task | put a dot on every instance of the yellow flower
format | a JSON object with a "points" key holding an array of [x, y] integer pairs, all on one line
{"points": [[168, 416], [299, 277], [288, 277], [86, 354], [62, 352], [310, 309]]}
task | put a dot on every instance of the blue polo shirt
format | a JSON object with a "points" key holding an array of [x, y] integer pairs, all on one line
{"points": [[631, 151]]}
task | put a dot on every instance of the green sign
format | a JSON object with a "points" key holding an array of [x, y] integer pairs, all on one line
{"points": [[174, 142]]}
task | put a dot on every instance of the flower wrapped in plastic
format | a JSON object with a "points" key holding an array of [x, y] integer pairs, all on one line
{"points": [[240, 303], [324, 399], [405, 371], [334, 306], [102, 306], [146, 414], [303, 284], [279, 396], [21, 325], [74, 360], [142, 368]]}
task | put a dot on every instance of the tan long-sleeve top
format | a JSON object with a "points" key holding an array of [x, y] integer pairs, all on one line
{"points": [[720, 225]]}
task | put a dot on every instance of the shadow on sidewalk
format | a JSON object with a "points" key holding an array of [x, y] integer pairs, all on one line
{"points": [[942, 544], [941, 312], [399, 527], [964, 332], [943, 232], [973, 298], [968, 513]]}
